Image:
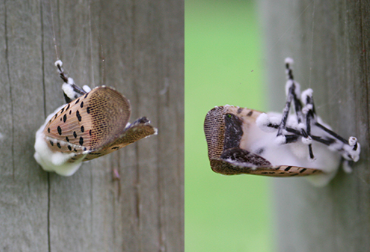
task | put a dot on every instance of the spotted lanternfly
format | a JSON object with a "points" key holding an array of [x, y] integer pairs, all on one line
{"points": [[93, 123], [246, 141]]}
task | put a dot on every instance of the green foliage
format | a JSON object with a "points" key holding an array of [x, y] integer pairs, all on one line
{"points": [[222, 66]]}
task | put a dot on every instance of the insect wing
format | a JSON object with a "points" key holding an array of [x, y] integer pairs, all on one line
{"points": [[226, 129], [88, 123], [141, 128]]}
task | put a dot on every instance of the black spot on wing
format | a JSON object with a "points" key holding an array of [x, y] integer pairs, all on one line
{"points": [[82, 128], [250, 113], [59, 130], [82, 104], [64, 118], [58, 144], [51, 143], [88, 110], [81, 141], [78, 116], [67, 139], [77, 101], [288, 168], [74, 134], [69, 148]]}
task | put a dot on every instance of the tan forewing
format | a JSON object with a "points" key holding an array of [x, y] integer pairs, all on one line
{"points": [[89, 122]]}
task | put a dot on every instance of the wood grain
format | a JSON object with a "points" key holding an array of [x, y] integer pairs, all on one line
{"points": [[329, 42], [135, 47]]}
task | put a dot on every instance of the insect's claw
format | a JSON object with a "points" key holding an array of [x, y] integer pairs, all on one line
{"points": [[59, 64], [352, 141]]}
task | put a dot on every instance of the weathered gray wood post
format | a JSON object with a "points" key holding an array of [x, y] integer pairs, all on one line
{"points": [[329, 41], [133, 46]]}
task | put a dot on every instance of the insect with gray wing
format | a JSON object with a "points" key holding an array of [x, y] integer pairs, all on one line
{"points": [[93, 123], [246, 141]]}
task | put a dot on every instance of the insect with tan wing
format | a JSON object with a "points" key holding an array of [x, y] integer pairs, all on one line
{"points": [[246, 141], [93, 123]]}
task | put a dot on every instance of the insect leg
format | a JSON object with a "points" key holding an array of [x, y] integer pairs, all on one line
{"points": [[349, 149], [293, 90], [271, 124], [70, 89]]}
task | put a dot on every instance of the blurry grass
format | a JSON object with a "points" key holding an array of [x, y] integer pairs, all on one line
{"points": [[222, 66]]}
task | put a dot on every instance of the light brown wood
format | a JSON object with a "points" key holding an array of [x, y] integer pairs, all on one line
{"points": [[329, 41], [135, 47]]}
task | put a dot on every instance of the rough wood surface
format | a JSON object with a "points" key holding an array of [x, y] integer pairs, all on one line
{"points": [[329, 41], [133, 46]]}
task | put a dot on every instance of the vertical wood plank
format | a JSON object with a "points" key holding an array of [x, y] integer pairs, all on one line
{"points": [[329, 42], [23, 197]]}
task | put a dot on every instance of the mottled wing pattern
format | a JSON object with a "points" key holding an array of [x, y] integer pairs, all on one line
{"points": [[89, 123], [141, 128], [224, 127]]}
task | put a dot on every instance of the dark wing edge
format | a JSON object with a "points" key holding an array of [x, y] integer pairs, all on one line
{"points": [[139, 129]]}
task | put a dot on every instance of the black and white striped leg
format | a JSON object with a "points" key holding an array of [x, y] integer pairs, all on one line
{"points": [[70, 90], [293, 95], [349, 149]]}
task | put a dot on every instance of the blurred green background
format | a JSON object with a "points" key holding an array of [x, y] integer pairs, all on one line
{"points": [[223, 65]]}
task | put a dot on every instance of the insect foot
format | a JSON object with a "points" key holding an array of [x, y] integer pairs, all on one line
{"points": [[246, 141], [92, 124]]}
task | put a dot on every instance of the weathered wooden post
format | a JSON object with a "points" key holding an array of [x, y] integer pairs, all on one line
{"points": [[329, 41], [135, 47]]}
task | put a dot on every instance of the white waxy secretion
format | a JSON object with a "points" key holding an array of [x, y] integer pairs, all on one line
{"points": [[50, 160]]}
